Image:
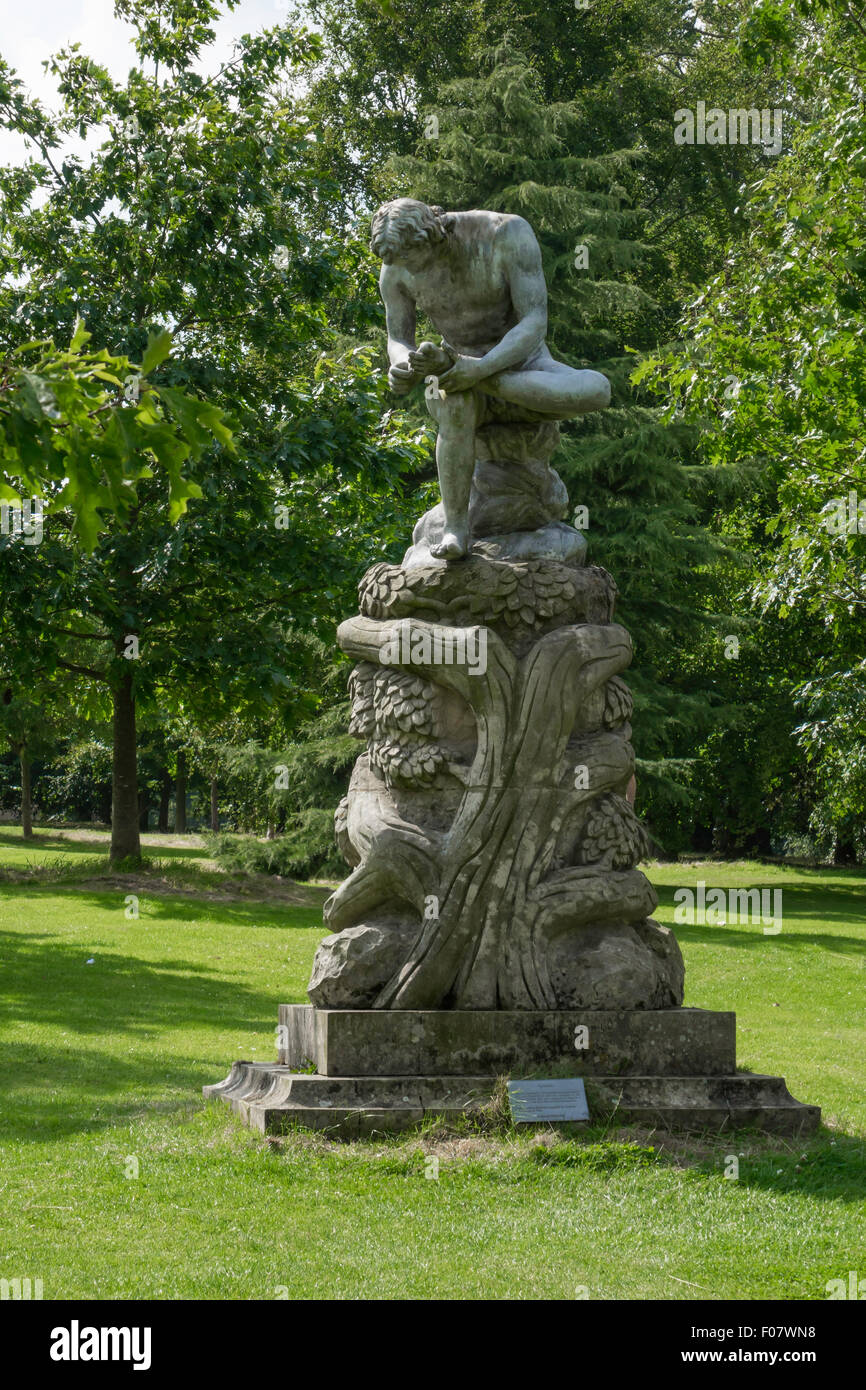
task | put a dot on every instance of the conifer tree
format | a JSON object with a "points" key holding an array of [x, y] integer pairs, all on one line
{"points": [[494, 142]]}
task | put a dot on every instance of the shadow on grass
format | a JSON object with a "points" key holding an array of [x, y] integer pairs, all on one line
{"points": [[160, 906], [46, 982], [10, 840], [47, 1095], [798, 907], [51, 1088], [93, 845]]}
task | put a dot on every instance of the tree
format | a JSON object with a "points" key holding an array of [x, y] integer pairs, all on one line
{"points": [[22, 726], [627, 64], [194, 215], [572, 127], [81, 429], [772, 368]]}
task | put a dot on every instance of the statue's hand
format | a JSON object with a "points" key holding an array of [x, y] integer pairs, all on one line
{"points": [[430, 360], [466, 373], [402, 377]]}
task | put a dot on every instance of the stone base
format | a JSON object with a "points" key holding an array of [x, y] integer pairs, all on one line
{"points": [[355, 1072], [494, 1042]]}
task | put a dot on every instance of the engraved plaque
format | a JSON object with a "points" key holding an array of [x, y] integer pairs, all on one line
{"points": [[533, 1101]]}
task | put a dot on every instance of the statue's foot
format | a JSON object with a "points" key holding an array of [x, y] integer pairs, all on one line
{"points": [[453, 545]]}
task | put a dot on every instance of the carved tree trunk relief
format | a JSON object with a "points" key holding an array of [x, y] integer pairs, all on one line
{"points": [[493, 848]]}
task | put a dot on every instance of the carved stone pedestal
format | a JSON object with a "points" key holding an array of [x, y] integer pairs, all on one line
{"points": [[495, 922], [488, 826], [356, 1072]]}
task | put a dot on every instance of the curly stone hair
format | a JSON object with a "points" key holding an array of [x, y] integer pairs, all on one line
{"points": [[405, 222]]}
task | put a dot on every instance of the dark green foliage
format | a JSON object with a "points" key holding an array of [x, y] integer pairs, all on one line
{"points": [[500, 145], [305, 850], [782, 326]]}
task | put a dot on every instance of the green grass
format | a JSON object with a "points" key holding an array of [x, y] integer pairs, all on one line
{"points": [[799, 996], [49, 846], [103, 1064]]}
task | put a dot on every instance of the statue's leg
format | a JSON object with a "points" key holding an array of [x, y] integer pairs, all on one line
{"points": [[552, 389], [456, 416]]}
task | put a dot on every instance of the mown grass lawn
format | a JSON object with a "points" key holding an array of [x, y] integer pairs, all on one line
{"points": [[117, 1182], [63, 847]]}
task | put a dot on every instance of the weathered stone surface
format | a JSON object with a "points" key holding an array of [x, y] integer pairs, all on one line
{"points": [[274, 1100], [638, 963], [557, 541], [352, 967], [488, 821], [493, 1042], [488, 818], [488, 826], [495, 921], [380, 1071], [520, 599], [492, 385], [514, 489]]}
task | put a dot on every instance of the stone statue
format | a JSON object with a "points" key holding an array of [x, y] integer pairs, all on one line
{"points": [[493, 844], [495, 921], [478, 277]]}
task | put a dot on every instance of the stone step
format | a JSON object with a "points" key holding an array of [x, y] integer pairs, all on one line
{"points": [[744, 1100], [741, 1088], [487, 1042], [272, 1085], [272, 1098]]}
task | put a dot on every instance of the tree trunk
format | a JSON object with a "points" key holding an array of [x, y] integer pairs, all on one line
{"points": [[180, 796], [125, 836], [214, 806], [844, 851], [164, 798], [26, 794]]}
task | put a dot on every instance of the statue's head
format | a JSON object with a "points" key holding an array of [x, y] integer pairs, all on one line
{"points": [[404, 228]]}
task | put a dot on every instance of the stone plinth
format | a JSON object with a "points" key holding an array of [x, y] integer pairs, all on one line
{"points": [[494, 1042], [357, 1072]]}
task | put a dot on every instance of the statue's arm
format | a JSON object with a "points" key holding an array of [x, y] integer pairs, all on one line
{"points": [[521, 259], [400, 316]]}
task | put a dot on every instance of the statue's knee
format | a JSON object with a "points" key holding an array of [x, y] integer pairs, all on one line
{"points": [[453, 414], [596, 390]]}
